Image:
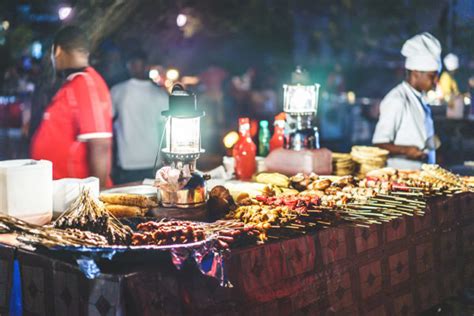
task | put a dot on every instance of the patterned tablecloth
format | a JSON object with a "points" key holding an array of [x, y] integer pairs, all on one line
{"points": [[398, 268]]}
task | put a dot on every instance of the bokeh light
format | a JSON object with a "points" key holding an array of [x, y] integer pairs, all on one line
{"points": [[181, 20], [230, 139], [64, 12], [5, 25], [154, 74], [172, 74], [351, 97]]}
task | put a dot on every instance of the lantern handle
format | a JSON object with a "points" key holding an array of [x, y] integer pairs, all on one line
{"points": [[158, 154], [178, 87]]}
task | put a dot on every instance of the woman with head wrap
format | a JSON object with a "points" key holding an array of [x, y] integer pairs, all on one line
{"points": [[447, 84], [405, 126]]}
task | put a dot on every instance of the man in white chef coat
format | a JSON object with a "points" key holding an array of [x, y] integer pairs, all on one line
{"points": [[405, 126]]}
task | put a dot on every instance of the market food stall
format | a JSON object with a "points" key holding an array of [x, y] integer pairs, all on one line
{"points": [[354, 238], [405, 265]]}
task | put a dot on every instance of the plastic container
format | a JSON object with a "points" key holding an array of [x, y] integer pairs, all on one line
{"points": [[26, 190], [244, 152], [66, 190], [291, 162]]}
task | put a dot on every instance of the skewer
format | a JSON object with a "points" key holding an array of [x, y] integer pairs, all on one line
{"points": [[297, 225], [398, 199], [362, 207], [273, 237], [407, 193], [362, 225], [314, 211], [403, 199], [324, 223], [387, 205]]}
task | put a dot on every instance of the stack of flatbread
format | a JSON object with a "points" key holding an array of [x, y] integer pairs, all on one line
{"points": [[342, 164], [368, 158]]}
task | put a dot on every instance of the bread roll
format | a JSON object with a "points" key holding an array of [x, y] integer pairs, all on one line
{"points": [[127, 199], [124, 210]]}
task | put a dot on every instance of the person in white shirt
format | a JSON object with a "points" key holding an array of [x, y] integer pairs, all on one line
{"points": [[405, 127], [138, 123]]}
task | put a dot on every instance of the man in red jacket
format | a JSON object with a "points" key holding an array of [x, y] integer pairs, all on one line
{"points": [[76, 130]]}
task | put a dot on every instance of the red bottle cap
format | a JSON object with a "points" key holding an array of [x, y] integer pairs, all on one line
{"points": [[244, 120], [280, 117]]}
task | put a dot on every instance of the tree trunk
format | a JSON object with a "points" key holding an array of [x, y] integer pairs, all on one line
{"points": [[100, 18]]}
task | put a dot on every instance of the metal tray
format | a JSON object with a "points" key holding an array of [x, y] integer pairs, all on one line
{"points": [[141, 189]]}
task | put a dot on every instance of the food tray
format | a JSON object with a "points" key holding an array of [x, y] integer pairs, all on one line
{"points": [[151, 248], [93, 260], [132, 222], [142, 189]]}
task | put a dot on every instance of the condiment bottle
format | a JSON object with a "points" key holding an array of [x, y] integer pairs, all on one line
{"points": [[278, 138], [244, 152], [263, 139]]}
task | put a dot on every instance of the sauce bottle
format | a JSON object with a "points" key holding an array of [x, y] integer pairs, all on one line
{"points": [[244, 152], [278, 138]]}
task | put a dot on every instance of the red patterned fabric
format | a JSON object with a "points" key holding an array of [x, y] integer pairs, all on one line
{"points": [[398, 268]]}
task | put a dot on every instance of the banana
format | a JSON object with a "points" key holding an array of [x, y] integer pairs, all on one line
{"points": [[278, 190], [277, 179], [289, 191]]}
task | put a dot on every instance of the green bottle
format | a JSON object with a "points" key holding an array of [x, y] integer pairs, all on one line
{"points": [[263, 139]]}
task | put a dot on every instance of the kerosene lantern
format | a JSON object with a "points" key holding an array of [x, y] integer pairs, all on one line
{"points": [[300, 103], [182, 149]]}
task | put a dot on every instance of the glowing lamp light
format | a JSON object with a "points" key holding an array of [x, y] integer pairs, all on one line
{"points": [[181, 20], [351, 97], [183, 135], [183, 130], [5, 25], [230, 139], [154, 74], [467, 100], [172, 74], [36, 49], [64, 12], [301, 99]]}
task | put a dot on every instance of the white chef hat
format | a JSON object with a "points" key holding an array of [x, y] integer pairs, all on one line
{"points": [[422, 52], [451, 62]]}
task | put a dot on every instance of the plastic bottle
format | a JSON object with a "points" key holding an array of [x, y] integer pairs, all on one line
{"points": [[244, 152], [278, 138], [263, 139]]}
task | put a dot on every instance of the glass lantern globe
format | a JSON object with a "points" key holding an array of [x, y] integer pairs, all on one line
{"points": [[183, 135], [183, 126], [301, 99]]}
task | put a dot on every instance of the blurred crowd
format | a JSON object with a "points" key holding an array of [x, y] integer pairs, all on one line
{"points": [[138, 99], [28, 98], [256, 92]]}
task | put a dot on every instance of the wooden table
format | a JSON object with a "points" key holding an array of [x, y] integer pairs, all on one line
{"points": [[398, 268]]}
